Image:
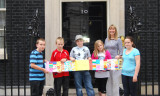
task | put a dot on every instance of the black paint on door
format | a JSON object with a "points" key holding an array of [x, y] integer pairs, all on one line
{"points": [[87, 19]]}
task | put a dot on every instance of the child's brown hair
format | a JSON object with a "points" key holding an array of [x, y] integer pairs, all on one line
{"points": [[59, 38], [132, 40], [40, 39]]}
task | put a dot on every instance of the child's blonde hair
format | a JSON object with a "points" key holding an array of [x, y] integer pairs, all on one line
{"points": [[59, 38], [40, 39], [116, 33], [95, 52]]}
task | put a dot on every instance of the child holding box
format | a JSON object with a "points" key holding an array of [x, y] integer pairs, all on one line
{"points": [[60, 78], [101, 76]]}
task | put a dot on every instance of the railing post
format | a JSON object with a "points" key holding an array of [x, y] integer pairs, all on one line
{"points": [[5, 73], [33, 28]]}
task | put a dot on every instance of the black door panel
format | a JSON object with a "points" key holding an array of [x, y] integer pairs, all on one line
{"points": [[87, 19]]}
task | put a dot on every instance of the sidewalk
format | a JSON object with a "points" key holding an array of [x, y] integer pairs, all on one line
{"points": [[72, 92], [15, 91]]}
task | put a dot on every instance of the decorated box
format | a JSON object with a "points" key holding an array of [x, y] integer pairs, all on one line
{"points": [[80, 65]]}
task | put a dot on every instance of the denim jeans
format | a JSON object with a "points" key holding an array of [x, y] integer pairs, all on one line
{"points": [[129, 86], [84, 76], [61, 81], [37, 87]]}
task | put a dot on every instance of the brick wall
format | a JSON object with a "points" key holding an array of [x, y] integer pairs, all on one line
{"points": [[149, 12], [18, 14]]}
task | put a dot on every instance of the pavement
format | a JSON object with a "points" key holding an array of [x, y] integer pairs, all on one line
{"points": [[72, 92]]}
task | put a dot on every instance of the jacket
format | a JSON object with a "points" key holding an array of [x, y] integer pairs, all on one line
{"points": [[107, 55], [57, 56]]}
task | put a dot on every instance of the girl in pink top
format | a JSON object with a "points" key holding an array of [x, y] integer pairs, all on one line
{"points": [[101, 76]]}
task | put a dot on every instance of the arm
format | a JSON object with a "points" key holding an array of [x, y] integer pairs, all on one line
{"points": [[33, 61], [137, 58], [45, 60], [89, 58], [120, 49], [72, 59], [105, 43], [72, 55], [88, 54], [34, 66]]}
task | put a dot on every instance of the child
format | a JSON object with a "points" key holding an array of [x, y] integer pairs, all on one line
{"points": [[101, 76], [81, 52], [131, 66], [37, 69], [61, 78]]}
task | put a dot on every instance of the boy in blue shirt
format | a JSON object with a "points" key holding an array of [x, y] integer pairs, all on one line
{"points": [[81, 52], [37, 69]]}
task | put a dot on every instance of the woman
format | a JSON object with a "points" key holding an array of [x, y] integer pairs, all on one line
{"points": [[131, 66], [114, 45]]}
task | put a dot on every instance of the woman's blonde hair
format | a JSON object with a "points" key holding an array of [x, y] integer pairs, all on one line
{"points": [[95, 52], [116, 33]]}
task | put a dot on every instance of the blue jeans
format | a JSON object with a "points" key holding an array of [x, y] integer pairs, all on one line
{"points": [[129, 86], [84, 76]]}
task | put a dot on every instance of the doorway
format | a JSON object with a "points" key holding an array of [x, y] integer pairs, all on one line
{"points": [[87, 19]]}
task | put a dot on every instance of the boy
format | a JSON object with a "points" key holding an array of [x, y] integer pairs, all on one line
{"points": [[81, 52], [61, 78], [37, 69]]}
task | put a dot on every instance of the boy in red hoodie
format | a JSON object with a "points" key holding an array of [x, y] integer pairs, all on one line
{"points": [[60, 78]]}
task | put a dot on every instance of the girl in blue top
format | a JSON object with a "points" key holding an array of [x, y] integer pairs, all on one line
{"points": [[131, 67]]}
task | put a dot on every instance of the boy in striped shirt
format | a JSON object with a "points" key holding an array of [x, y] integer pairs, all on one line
{"points": [[37, 69]]}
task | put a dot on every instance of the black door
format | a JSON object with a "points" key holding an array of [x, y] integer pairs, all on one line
{"points": [[85, 18]]}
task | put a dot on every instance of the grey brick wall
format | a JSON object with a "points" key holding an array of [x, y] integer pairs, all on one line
{"points": [[18, 41]]}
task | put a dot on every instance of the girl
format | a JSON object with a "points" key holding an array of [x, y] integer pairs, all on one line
{"points": [[101, 76], [131, 66]]}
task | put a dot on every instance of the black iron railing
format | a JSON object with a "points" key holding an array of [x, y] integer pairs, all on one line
{"points": [[148, 43], [15, 65], [14, 70]]}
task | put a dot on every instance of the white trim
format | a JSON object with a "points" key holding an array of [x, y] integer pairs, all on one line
{"points": [[2, 54], [55, 54], [66, 53], [108, 14], [60, 13], [2, 9]]}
